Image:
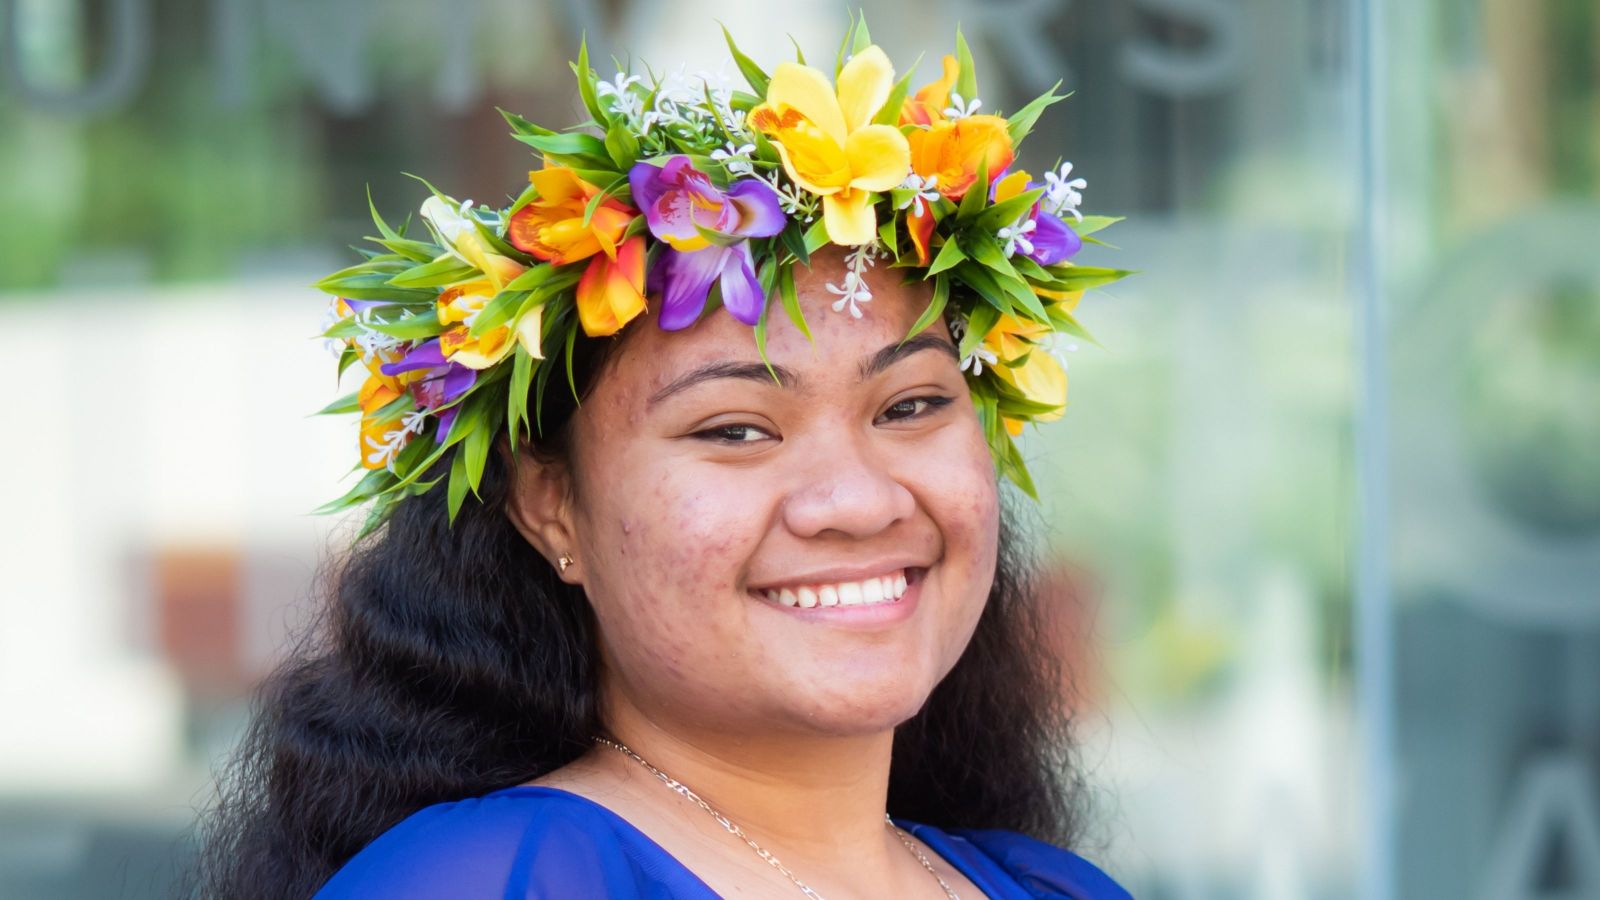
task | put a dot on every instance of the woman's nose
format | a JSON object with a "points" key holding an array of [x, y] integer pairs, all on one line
{"points": [[849, 493]]}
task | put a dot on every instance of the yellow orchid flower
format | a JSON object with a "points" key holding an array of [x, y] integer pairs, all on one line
{"points": [[827, 141], [1040, 378], [458, 304]]}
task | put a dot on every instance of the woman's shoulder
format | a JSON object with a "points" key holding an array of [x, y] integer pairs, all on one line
{"points": [[524, 841], [1043, 870]]}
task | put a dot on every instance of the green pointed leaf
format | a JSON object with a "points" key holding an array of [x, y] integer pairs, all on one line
{"points": [[980, 321], [1092, 224], [346, 404], [586, 89], [941, 297], [863, 39], [967, 80], [889, 112], [445, 270], [622, 146], [1022, 121], [457, 491], [816, 235], [949, 255], [791, 301], [977, 196], [752, 73], [522, 126]]}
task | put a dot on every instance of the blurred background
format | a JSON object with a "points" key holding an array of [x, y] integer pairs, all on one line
{"points": [[1335, 470]]}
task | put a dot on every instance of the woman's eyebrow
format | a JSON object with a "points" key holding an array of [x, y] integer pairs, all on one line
{"points": [[755, 371]]}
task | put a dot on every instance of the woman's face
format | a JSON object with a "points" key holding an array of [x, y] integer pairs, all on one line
{"points": [[703, 491]]}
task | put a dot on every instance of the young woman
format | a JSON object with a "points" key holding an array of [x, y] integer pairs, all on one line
{"points": [[746, 621]]}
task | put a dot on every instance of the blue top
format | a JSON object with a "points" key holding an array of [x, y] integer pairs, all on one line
{"points": [[538, 843]]}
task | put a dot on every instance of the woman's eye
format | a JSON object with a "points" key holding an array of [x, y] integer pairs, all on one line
{"points": [[732, 434], [912, 407]]}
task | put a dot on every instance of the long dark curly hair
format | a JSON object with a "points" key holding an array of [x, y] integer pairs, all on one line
{"points": [[468, 667]]}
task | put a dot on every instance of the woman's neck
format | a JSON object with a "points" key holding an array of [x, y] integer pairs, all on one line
{"points": [[821, 798]]}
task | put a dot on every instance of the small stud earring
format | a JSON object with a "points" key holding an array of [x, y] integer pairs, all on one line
{"points": [[564, 561]]}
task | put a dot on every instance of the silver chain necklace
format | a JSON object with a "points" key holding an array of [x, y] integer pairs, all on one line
{"points": [[738, 832]]}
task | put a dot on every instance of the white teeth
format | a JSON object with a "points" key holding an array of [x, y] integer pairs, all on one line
{"points": [[872, 590], [880, 589]]}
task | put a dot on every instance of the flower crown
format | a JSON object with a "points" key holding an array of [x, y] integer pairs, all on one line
{"points": [[701, 195]]}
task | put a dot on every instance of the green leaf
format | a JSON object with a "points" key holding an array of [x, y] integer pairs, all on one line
{"points": [[347, 358], [1009, 458], [522, 126], [980, 321], [346, 404], [1092, 224], [623, 148], [977, 196], [371, 485], [586, 83], [572, 383], [417, 251], [497, 312], [863, 39], [476, 451], [720, 239], [886, 237], [522, 365], [791, 301], [1007, 211], [1021, 122], [752, 73], [457, 491], [941, 297], [1081, 278], [889, 112], [793, 238], [445, 270], [978, 277], [967, 81], [410, 328], [799, 55], [816, 235], [574, 144], [949, 255]]}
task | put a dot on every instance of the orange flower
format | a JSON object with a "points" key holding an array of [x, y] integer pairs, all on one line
{"points": [[952, 151], [928, 104], [552, 227], [611, 291], [375, 394]]}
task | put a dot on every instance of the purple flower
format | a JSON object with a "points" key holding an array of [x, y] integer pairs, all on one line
{"points": [[678, 202], [439, 386], [1041, 236]]}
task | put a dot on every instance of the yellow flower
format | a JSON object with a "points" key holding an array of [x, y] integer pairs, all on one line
{"points": [[1040, 378], [459, 304], [828, 143], [376, 393], [466, 244]]}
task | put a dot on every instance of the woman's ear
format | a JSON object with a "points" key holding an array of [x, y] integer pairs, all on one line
{"points": [[540, 508]]}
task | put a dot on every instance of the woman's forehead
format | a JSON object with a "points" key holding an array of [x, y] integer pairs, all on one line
{"points": [[653, 359]]}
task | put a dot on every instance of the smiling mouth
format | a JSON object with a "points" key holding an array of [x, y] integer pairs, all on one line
{"points": [[876, 590]]}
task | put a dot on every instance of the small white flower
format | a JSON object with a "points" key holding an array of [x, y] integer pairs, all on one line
{"points": [[958, 326], [980, 357], [1015, 236], [735, 158], [1061, 196], [854, 291], [959, 109], [925, 191], [1058, 345]]}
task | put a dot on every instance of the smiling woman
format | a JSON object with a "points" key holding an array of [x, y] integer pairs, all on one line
{"points": [[740, 616]]}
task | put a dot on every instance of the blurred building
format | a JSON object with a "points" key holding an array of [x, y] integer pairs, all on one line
{"points": [[1335, 466]]}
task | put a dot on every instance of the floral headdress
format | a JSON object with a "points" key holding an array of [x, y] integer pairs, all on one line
{"points": [[700, 195]]}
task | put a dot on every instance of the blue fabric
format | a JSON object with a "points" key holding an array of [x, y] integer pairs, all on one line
{"points": [[539, 843]]}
